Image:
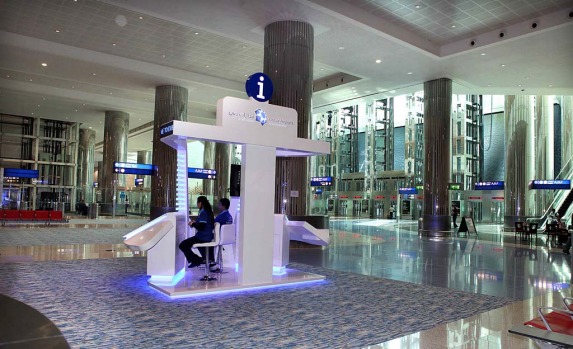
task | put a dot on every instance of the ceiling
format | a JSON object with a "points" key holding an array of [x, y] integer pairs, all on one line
{"points": [[110, 55]]}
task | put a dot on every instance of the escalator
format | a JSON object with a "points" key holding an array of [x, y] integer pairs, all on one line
{"points": [[562, 210], [562, 198]]}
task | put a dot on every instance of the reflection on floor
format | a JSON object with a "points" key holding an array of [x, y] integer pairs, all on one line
{"points": [[493, 263]]}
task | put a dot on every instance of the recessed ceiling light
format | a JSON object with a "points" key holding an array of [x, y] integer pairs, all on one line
{"points": [[67, 118], [32, 113], [44, 64], [163, 56], [207, 66], [111, 93], [83, 104], [393, 91], [321, 68], [488, 85], [73, 87], [519, 85], [38, 105], [196, 33], [244, 46], [503, 65], [90, 127], [43, 98], [410, 73], [418, 6], [378, 61], [30, 80], [453, 26], [483, 54], [7, 76], [140, 17], [341, 47], [527, 78], [57, 30], [114, 44], [246, 75], [75, 110], [139, 119], [94, 74], [550, 85]]}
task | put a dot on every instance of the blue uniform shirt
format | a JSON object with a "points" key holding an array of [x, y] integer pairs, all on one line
{"points": [[224, 218], [206, 233]]}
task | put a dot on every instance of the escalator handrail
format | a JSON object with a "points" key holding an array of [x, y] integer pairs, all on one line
{"points": [[559, 195]]}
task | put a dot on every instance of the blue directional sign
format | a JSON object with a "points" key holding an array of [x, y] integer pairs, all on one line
{"points": [[139, 182], [136, 169], [259, 86], [552, 184], [495, 185], [201, 173], [96, 184], [20, 173], [320, 181], [166, 129], [408, 191]]}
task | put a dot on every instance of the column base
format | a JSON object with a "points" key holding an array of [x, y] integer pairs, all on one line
{"points": [[436, 226], [155, 212]]}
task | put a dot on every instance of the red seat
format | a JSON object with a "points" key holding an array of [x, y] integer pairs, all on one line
{"points": [[43, 216], [28, 216], [558, 321], [56, 216], [11, 215]]}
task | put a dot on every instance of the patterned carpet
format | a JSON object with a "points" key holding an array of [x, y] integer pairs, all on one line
{"points": [[106, 303]]}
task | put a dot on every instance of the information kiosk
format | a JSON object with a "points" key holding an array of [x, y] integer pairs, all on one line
{"points": [[265, 131]]}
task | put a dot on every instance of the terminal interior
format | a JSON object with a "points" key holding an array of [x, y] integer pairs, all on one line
{"points": [[428, 108]]}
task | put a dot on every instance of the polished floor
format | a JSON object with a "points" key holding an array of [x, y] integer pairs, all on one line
{"points": [[494, 263]]}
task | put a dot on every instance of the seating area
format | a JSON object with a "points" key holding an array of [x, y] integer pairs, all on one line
{"points": [[554, 327], [526, 231], [32, 216]]}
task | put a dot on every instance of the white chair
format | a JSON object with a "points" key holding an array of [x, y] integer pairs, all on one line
{"points": [[228, 237], [215, 242]]}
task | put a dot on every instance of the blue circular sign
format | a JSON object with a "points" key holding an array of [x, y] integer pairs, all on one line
{"points": [[259, 86]]}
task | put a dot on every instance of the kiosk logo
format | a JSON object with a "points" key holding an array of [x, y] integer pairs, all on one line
{"points": [[261, 116]]}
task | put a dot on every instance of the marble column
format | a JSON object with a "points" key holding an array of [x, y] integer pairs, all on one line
{"points": [[170, 104], [437, 114], [544, 150], [288, 58], [144, 157], [116, 131], [86, 153], [566, 132], [223, 168], [518, 144], [208, 162]]}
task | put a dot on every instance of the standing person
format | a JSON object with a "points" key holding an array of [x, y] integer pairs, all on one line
{"points": [[204, 226], [454, 215], [552, 217]]}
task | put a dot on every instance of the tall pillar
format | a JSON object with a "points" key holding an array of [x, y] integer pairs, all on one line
{"points": [[223, 168], [544, 152], [289, 50], [144, 157], [518, 141], [86, 153], [566, 132], [170, 104], [116, 130], [437, 114], [208, 162], [99, 172]]}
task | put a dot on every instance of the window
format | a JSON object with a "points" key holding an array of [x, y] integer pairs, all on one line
{"points": [[459, 128], [459, 163]]}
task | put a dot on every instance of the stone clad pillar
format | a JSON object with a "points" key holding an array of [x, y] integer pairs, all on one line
{"points": [[518, 118], [208, 162], [170, 104], [144, 157], [437, 114], [544, 153], [116, 131], [289, 52], [86, 153]]}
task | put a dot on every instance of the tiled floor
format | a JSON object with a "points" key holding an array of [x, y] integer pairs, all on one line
{"points": [[494, 263]]}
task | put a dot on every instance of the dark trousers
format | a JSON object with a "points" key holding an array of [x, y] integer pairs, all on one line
{"points": [[567, 245], [454, 218], [186, 245]]}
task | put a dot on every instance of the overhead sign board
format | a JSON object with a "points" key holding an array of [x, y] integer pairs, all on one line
{"points": [[454, 186], [139, 182], [496, 185], [132, 168], [320, 181], [96, 184], [201, 173], [552, 184], [407, 191], [166, 129], [20, 173]]}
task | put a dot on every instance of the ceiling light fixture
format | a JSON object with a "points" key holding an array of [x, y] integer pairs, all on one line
{"points": [[90, 127], [94, 74], [453, 26], [73, 87], [114, 44], [207, 66], [111, 93], [483, 54], [378, 61], [244, 46], [519, 85], [196, 33], [393, 91], [410, 73], [341, 47], [503, 65], [550, 85], [163, 56], [57, 30], [418, 6], [7, 76], [140, 17], [488, 85], [30, 80], [44, 64]]}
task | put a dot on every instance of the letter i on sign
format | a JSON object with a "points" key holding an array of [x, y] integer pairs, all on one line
{"points": [[261, 85]]}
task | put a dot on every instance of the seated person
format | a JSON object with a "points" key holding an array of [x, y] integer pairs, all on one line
{"points": [[204, 226], [224, 217], [562, 230]]}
